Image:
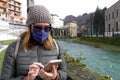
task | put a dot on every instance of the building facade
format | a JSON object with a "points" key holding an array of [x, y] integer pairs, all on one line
{"points": [[112, 20], [72, 29], [12, 9]]}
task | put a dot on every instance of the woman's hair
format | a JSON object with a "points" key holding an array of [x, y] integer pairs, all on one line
{"points": [[48, 43]]}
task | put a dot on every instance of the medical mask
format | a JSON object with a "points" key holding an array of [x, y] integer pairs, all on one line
{"points": [[40, 36]]}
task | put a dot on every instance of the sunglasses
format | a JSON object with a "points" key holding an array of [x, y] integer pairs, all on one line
{"points": [[41, 27]]}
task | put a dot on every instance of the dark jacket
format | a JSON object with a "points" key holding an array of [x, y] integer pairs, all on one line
{"points": [[17, 69]]}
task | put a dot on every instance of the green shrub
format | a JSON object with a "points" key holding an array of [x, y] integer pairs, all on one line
{"points": [[116, 35], [74, 61], [105, 40]]}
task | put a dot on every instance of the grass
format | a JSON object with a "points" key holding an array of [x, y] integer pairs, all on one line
{"points": [[1, 58], [95, 44], [6, 42]]}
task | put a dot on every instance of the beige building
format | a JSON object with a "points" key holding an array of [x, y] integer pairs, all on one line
{"points": [[12, 8], [72, 28], [112, 20]]}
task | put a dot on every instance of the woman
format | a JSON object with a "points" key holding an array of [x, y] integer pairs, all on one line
{"points": [[35, 50]]}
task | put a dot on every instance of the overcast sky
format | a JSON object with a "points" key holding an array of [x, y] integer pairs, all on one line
{"points": [[70, 7]]}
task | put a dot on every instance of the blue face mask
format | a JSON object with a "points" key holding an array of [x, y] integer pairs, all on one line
{"points": [[40, 36]]}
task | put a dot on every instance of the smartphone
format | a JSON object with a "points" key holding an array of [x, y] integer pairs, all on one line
{"points": [[48, 66]]}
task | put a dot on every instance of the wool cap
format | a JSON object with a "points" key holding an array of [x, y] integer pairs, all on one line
{"points": [[38, 13]]}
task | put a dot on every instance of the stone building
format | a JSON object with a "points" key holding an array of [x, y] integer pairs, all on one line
{"points": [[112, 20]]}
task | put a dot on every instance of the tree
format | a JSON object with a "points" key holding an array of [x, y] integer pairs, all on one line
{"points": [[89, 24], [103, 21], [99, 22]]}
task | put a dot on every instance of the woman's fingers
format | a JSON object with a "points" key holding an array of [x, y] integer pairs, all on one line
{"points": [[54, 69], [34, 70], [33, 66], [31, 72], [39, 64], [44, 75]]}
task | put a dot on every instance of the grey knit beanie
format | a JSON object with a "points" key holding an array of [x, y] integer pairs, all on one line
{"points": [[37, 13]]}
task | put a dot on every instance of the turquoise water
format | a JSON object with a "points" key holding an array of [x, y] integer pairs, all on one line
{"points": [[99, 60]]}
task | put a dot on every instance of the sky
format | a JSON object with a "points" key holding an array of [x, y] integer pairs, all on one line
{"points": [[69, 7]]}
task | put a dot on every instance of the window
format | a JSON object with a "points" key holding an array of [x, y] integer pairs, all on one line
{"points": [[4, 5], [12, 18], [18, 4], [4, 11], [9, 12], [112, 15], [108, 27], [3, 19], [19, 9], [106, 18], [21, 19], [117, 13], [117, 26], [9, 6], [109, 16], [15, 14]]}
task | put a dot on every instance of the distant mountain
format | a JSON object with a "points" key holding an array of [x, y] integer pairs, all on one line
{"points": [[81, 20], [69, 18]]}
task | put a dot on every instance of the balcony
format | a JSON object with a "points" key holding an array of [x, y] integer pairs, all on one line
{"points": [[5, 1], [11, 3], [3, 6], [12, 9], [18, 11]]}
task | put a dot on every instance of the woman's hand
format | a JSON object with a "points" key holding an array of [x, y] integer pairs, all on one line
{"points": [[49, 75], [34, 70]]}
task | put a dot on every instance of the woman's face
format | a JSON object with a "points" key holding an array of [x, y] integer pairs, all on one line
{"points": [[41, 26], [40, 31]]}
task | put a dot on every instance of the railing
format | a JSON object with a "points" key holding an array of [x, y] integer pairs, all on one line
{"points": [[3, 6]]}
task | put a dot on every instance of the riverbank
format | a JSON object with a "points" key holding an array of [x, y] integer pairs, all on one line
{"points": [[95, 44], [79, 71]]}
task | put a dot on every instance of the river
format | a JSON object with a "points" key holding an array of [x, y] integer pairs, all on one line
{"points": [[101, 61]]}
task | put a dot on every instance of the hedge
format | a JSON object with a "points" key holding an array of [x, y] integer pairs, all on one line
{"points": [[105, 40]]}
